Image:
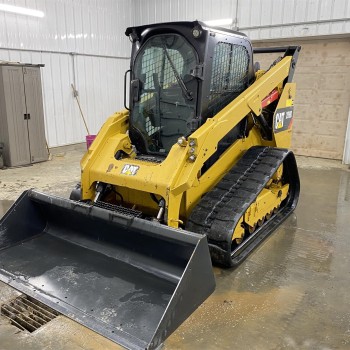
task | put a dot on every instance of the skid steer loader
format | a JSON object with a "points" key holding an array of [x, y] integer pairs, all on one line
{"points": [[195, 170]]}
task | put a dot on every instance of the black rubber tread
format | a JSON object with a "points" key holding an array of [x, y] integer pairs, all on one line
{"points": [[219, 211]]}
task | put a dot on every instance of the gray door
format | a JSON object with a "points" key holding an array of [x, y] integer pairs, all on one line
{"points": [[36, 125], [17, 147]]}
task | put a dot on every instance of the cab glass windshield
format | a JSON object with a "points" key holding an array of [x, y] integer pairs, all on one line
{"points": [[164, 92]]}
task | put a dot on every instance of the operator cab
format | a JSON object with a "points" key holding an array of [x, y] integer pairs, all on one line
{"points": [[181, 74]]}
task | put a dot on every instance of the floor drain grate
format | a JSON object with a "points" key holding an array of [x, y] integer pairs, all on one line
{"points": [[27, 313]]}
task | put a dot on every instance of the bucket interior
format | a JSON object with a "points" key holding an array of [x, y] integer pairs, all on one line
{"points": [[115, 275]]}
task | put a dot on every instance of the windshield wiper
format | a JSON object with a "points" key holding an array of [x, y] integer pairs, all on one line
{"points": [[187, 93]]}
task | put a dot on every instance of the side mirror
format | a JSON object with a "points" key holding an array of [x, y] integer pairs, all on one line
{"points": [[125, 88]]}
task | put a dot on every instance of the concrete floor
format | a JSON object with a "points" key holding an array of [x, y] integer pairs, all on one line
{"points": [[292, 292]]}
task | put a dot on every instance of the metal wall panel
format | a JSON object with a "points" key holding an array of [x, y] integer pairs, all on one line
{"points": [[81, 42], [259, 19], [269, 19], [83, 26], [102, 79], [152, 11]]}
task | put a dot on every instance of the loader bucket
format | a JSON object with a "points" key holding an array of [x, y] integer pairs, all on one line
{"points": [[131, 280]]}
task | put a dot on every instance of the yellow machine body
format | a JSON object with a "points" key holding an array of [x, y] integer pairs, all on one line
{"points": [[178, 178]]}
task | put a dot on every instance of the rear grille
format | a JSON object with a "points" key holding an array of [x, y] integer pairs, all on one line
{"points": [[150, 159], [27, 313], [118, 209]]}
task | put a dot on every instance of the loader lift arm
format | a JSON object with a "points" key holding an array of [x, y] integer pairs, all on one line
{"points": [[207, 137]]}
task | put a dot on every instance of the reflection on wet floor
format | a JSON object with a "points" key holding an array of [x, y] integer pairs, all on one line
{"points": [[291, 292]]}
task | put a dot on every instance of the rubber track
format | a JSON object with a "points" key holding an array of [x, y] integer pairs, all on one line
{"points": [[219, 211]]}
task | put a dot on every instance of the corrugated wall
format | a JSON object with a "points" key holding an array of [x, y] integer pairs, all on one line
{"points": [[259, 19], [269, 19], [81, 42], [153, 11]]}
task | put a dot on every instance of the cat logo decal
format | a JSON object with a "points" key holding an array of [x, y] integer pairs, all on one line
{"points": [[129, 169], [283, 119]]}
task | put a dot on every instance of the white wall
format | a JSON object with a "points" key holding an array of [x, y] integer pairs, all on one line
{"points": [[259, 19], [153, 11], [268, 19], [79, 41]]}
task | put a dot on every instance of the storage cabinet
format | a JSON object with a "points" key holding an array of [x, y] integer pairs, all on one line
{"points": [[22, 128]]}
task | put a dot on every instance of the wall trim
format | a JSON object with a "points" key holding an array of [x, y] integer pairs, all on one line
{"points": [[346, 155], [65, 53], [293, 24]]}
